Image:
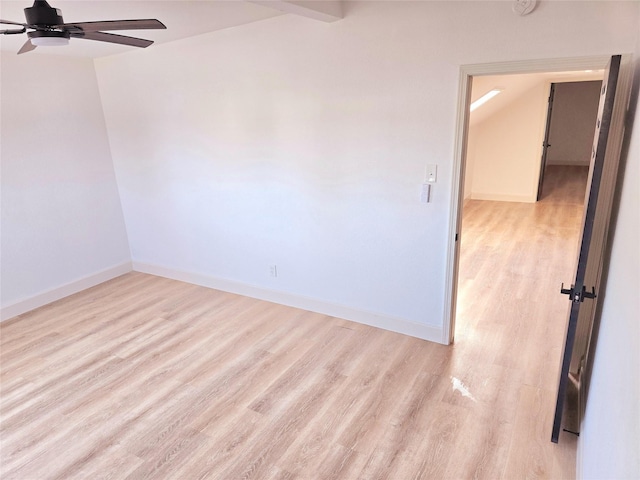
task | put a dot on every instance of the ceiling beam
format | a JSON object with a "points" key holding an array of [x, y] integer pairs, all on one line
{"points": [[323, 10]]}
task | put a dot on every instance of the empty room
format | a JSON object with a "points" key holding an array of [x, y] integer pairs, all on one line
{"points": [[233, 241]]}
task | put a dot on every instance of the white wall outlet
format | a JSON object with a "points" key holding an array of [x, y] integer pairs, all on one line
{"points": [[273, 270], [432, 173]]}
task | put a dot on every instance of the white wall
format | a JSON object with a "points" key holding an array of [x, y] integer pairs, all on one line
{"points": [[504, 163], [62, 224], [304, 144], [575, 110], [609, 445], [469, 164]]}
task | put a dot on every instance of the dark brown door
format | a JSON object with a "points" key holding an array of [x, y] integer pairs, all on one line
{"points": [[583, 293], [545, 142]]}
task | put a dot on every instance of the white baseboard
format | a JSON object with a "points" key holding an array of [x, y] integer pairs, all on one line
{"points": [[580, 455], [503, 198], [48, 296], [426, 332]]}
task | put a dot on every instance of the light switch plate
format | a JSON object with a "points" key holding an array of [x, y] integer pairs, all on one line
{"points": [[432, 173]]}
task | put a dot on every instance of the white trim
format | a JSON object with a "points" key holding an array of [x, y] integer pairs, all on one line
{"points": [[462, 122], [425, 332], [596, 62], [48, 296], [457, 197]]}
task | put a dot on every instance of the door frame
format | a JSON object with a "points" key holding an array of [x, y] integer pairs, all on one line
{"points": [[467, 72]]}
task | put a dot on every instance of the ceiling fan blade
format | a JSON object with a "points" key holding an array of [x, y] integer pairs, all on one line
{"points": [[13, 31], [27, 47], [114, 25], [111, 38], [9, 22]]}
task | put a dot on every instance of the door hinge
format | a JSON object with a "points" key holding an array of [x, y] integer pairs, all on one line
{"points": [[578, 295]]}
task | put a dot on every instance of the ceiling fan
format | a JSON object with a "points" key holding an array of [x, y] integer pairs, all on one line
{"points": [[48, 28]]}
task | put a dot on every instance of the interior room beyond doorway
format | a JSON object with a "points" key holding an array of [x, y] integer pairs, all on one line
{"points": [[519, 244]]}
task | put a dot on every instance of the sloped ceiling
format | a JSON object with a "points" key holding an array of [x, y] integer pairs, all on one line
{"points": [[515, 86], [182, 18]]}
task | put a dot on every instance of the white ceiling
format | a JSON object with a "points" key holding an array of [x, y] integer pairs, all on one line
{"points": [[513, 86], [183, 18]]}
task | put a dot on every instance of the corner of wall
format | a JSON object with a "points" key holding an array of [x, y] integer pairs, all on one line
{"points": [[43, 298]]}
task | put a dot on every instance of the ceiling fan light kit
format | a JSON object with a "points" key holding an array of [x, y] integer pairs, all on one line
{"points": [[49, 39], [47, 28]]}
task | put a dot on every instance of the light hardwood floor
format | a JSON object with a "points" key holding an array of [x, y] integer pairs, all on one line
{"points": [[145, 377]]}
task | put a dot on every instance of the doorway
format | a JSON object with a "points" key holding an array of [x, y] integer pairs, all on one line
{"points": [[602, 174], [521, 242], [461, 183], [571, 115]]}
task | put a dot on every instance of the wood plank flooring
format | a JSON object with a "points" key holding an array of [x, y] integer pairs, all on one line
{"points": [[145, 377]]}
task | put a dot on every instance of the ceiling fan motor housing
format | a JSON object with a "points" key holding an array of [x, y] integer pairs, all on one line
{"points": [[41, 13]]}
